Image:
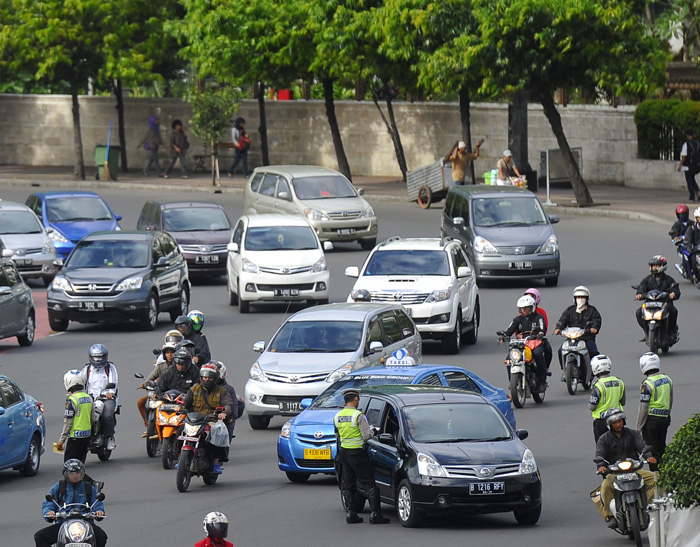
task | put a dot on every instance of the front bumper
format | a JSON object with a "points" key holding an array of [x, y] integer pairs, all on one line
{"points": [[268, 398], [534, 266], [281, 288], [36, 265], [434, 319], [127, 305], [346, 230], [291, 455]]}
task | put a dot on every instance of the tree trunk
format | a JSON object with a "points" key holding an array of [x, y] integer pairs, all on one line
{"points": [[120, 117], [391, 127], [214, 172], [262, 129], [343, 165], [465, 120], [78, 162], [583, 196], [518, 131]]}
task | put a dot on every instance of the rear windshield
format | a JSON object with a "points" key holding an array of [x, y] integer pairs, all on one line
{"points": [[195, 219], [19, 222], [326, 187], [76, 209], [408, 263], [510, 211], [281, 238], [318, 337]]}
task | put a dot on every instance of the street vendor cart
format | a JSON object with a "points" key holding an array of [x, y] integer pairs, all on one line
{"points": [[430, 183]]}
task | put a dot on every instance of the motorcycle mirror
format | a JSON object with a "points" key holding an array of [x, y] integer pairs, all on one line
{"points": [[49, 497], [101, 496], [635, 287], [111, 385], [138, 375], [156, 352]]}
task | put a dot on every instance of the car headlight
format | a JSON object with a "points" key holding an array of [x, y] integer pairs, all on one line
{"points": [[257, 373], [428, 467], [369, 212], [286, 431], [249, 266], [484, 246], [338, 373], [528, 464], [130, 284], [314, 214], [60, 283], [320, 266], [438, 296], [515, 355], [55, 235], [549, 246]]}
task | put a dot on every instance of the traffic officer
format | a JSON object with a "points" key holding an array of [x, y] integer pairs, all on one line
{"points": [[77, 418], [655, 406], [352, 431], [607, 392]]}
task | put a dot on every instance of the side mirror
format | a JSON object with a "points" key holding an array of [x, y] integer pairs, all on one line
{"points": [[464, 271], [259, 346], [284, 196], [163, 261], [2, 410], [553, 219], [5, 290], [522, 434], [387, 438], [138, 375], [111, 385], [7, 253], [306, 403], [232, 247], [117, 217], [361, 191], [58, 262], [49, 230], [352, 271], [376, 347], [327, 245], [458, 221]]}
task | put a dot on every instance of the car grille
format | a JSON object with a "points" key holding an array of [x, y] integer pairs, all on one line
{"points": [[29, 268], [519, 250], [219, 247], [296, 378], [314, 464], [400, 297], [35, 251], [461, 471], [87, 289], [299, 286], [310, 439], [277, 399], [286, 271], [344, 215]]}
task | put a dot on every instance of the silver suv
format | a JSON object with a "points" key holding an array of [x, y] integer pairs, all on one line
{"points": [[433, 279]]}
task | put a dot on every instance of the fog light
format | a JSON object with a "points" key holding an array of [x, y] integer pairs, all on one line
{"points": [[57, 307], [320, 286], [131, 307], [442, 501], [250, 287], [552, 271], [485, 272], [444, 318], [252, 397], [527, 498]]}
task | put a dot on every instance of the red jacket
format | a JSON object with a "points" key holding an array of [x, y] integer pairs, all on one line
{"points": [[208, 542]]}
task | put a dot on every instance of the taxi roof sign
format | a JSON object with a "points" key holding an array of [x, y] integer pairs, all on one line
{"points": [[400, 358]]}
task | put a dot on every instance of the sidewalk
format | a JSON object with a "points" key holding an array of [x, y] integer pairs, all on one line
{"points": [[611, 201]]}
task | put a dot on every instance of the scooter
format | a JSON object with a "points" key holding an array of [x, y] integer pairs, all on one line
{"points": [[152, 440], [168, 422], [77, 530], [685, 268], [195, 459], [655, 313], [629, 504], [576, 360], [98, 441], [522, 370]]}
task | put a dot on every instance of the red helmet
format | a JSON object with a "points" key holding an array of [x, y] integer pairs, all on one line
{"points": [[682, 209]]}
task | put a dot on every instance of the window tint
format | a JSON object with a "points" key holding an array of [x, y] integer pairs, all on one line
{"points": [[461, 208], [3, 279], [11, 273], [449, 203], [408, 262], [407, 327], [168, 246], [375, 332], [238, 234], [461, 380], [431, 380], [374, 411], [283, 187], [268, 186], [10, 393], [156, 250], [255, 183], [457, 259], [392, 330]]}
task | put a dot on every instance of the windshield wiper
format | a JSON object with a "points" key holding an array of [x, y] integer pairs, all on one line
{"points": [[512, 223]]}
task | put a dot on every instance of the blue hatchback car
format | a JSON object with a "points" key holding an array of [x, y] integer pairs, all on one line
{"points": [[306, 444], [72, 215]]}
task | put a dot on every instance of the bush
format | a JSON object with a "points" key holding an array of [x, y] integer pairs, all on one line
{"points": [[661, 126], [678, 473]]}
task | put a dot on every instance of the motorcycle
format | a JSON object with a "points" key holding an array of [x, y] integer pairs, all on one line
{"points": [[655, 313], [522, 369], [689, 261], [195, 459], [77, 530], [152, 438], [629, 504], [576, 360], [98, 441], [168, 423]]}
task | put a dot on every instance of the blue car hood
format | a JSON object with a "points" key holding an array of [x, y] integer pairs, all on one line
{"points": [[508, 236], [476, 453], [75, 231], [316, 417]]}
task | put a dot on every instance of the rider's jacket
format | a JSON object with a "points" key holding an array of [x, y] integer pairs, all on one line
{"points": [[692, 235], [679, 228], [533, 323], [174, 379], [589, 318], [664, 283], [75, 493], [611, 448]]}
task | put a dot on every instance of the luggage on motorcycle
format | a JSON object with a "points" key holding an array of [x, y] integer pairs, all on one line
{"points": [[597, 501], [218, 434]]}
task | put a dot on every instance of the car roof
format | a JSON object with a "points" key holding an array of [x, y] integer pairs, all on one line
{"points": [[184, 204], [124, 235], [416, 243], [295, 171], [276, 219], [484, 190], [415, 394], [350, 311], [14, 206], [66, 194], [413, 371]]}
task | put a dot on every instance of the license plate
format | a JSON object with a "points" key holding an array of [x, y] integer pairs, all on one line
{"points": [[628, 476], [317, 453], [347, 231], [91, 306], [286, 292], [487, 488], [206, 259], [290, 406], [23, 261], [520, 265]]}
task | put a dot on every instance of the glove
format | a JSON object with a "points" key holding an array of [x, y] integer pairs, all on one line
{"points": [[375, 430]]}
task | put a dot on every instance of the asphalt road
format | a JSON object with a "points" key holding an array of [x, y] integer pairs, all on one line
{"points": [[264, 509]]}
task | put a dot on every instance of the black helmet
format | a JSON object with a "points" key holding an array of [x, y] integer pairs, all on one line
{"points": [[361, 295], [183, 358], [183, 321], [659, 261], [614, 414], [187, 345], [98, 355], [73, 466]]}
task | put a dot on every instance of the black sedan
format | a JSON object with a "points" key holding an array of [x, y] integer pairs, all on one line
{"points": [[116, 276], [441, 450]]}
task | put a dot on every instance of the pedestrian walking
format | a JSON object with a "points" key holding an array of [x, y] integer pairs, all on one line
{"points": [[690, 147], [151, 142], [241, 142], [655, 406], [178, 149]]}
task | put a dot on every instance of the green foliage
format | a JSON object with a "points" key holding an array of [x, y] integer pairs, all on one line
{"points": [[678, 473], [212, 113], [661, 125]]}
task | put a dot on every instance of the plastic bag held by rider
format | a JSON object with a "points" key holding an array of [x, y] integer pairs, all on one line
{"points": [[218, 434]]}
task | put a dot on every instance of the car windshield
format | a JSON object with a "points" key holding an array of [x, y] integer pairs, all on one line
{"points": [[280, 238], [19, 222], [407, 262], [195, 219], [511, 211], [455, 422], [104, 253], [318, 337], [333, 396], [325, 187], [77, 208]]}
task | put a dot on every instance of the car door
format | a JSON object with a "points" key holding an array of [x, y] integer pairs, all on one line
{"points": [[392, 332], [6, 306], [263, 201], [413, 343], [384, 457], [170, 276], [20, 298], [15, 428], [283, 198], [374, 334], [234, 259], [465, 285]]}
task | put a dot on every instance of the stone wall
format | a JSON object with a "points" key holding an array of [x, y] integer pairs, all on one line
{"points": [[38, 130]]}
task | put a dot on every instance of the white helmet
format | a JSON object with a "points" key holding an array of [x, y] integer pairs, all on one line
{"points": [[582, 291], [216, 525], [526, 301], [600, 364], [649, 361], [73, 378], [696, 213]]}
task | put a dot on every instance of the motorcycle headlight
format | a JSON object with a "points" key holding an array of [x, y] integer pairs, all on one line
{"points": [[55, 235], [515, 355], [320, 266], [338, 373], [550, 246], [484, 246], [658, 314], [174, 420], [369, 212], [625, 465], [130, 284], [77, 531], [438, 296], [314, 214], [428, 467], [60, 283], [528, 464], [257, 373], [286, 430], [648, 315], [192, 430], [249, 266]]}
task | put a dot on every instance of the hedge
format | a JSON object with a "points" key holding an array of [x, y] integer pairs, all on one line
{"points": [[678, 472], [661, 126]]}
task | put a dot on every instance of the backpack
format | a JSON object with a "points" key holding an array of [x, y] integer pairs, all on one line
{"points": [[693, 159], [62, 489], [244, 141]]}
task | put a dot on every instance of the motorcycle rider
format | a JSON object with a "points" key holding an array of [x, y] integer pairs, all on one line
{"points": [[582, 315], [547, 346], [529, 322], [680, 227], [77, 418], [72, 489], [238, 404], [202, 353], [167, 353], [99, 372], [181, 377], [619, 443], [692, 237], [216, 528], [655, 406], [607, 392], [660, 280], [171, 337]]}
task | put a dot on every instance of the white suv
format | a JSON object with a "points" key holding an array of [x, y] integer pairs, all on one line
{"points": [[434, 281]]}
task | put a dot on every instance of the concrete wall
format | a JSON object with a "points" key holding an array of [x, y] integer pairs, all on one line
{"points": [[38, 130]]}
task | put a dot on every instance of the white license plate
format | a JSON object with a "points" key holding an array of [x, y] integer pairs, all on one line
{"points": [[206, 259], [520, 265], [91, 306], [23, 261], [286, 292], [347, 231], [487, 488], [290, 406], [628, 476]]}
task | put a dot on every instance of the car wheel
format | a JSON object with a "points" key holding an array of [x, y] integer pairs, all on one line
{"points": [[258, 422], [551, 281], [298, 478], [232, 296], [184, 305], [409, 515], [31, 465], [151, 320], [473, 334], [528, 518], [452, 341], [27, 339], [368, 244], [59, 325], [243, 306]]}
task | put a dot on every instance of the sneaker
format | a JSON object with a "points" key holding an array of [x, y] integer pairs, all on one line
{"points": [[563, 377], [111, 444], [216, 468], [146, 174], [184, 177], [612, 522], [165, 176]]}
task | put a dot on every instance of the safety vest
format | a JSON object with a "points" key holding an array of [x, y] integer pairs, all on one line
{"points": [[611, 389], [346, 424], [660, 386], [82, 419], [206, 405]]}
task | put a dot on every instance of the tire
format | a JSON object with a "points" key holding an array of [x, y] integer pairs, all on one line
{"points": [[368, 244], [651, 341], [298, 478], [425, 197], [31, 464], [570, 375], [634, 524], [58, 325], [184, 475], [149, 322], [538, 396], [243, 306], [104, 454], [551, 281], [517, 389], [258, 422], [184, 305], [27, 339], [473, 335], [152, 444], [452, 341], [321, 302], [232, 296], [210, 478], [167, 452], [528, 518], [585, 383], [409, 515]]}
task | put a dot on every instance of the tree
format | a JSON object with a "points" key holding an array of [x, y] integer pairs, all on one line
{"points": [[539, 46]]}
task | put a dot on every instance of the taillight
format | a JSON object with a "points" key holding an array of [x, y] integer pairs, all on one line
{"points": [[40, 407]]}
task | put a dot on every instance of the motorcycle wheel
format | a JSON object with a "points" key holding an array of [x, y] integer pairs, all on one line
{"points": [[634, 524], [517, 389], [570, 375], [184, 475], [652, 343], [104, 454], [152, 444], [538, 396], [210, 478], [167, 452]]}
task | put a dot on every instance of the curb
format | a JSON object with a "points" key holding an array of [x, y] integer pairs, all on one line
{"points": [[606, 213]]}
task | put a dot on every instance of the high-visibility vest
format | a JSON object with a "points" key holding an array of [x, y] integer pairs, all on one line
{"points": [[660, 387], [611, 389], [346, 423], [82, 419]]}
